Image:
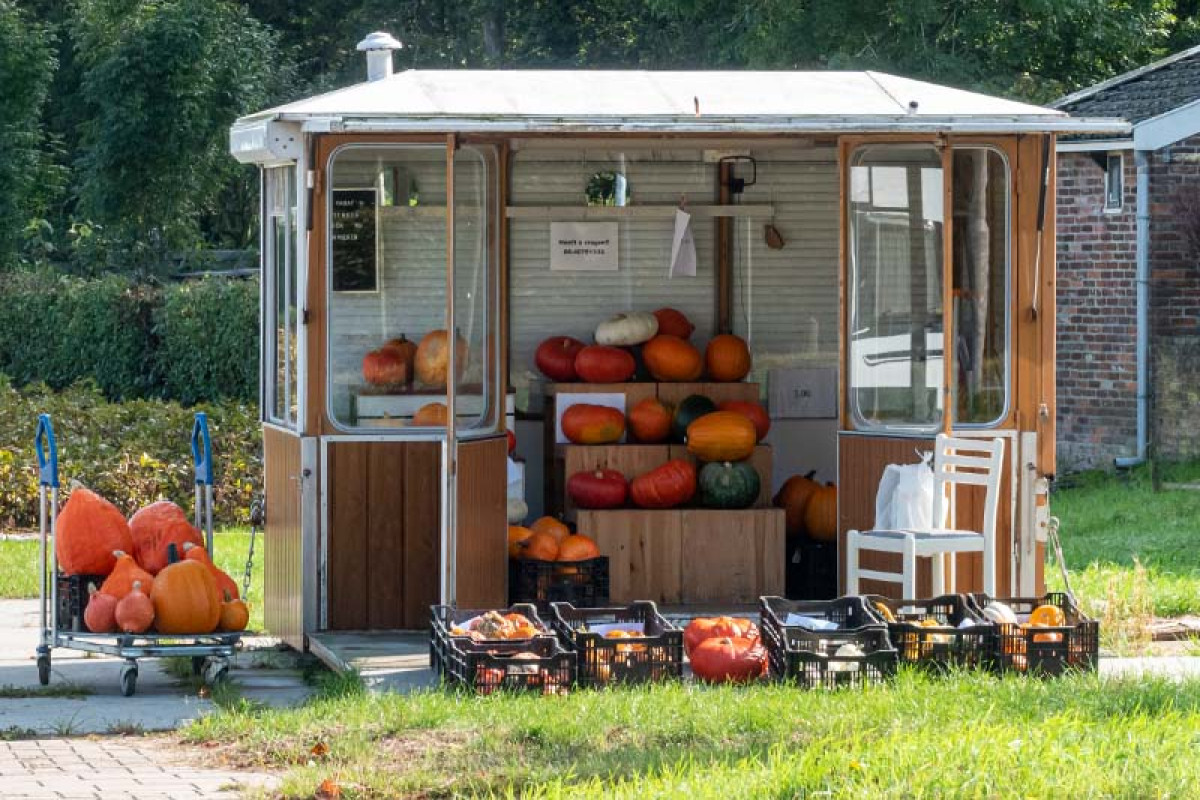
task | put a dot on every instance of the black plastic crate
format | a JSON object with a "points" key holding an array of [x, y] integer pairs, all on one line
{"points": [[656, 654], [819, 659], [583, 584], [73, 599], [942, 646], [532, 665], [444, 619], [1044, 651], [851, 614]]}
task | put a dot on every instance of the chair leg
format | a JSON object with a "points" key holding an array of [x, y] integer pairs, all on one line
{"points": [[989, 571], [953, 559], [937, 565], [851, 562], [909, 569]]}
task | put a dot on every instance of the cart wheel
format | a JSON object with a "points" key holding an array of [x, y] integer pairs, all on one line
{"points": [[129, 674], [198, 665], [216, 671], [43, 664]]}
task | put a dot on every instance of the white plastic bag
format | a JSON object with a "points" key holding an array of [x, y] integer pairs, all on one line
{"points": [[905, 498]]}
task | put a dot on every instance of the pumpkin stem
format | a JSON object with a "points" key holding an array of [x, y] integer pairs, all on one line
{"points": [[810, 474], [118, 553], [172, 553], [137, 586], [228, 597]]}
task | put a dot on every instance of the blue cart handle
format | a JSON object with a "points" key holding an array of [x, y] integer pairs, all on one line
{"points": [[202, 450], [43, 441]]}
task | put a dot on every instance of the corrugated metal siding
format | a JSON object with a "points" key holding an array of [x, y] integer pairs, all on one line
{"points": [[283, 550]]}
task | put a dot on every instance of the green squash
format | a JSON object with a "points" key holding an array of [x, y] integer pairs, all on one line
{"points": [[690, 409], [726, 485]]}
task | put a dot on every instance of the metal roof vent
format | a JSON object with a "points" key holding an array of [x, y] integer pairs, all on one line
{"points": [[379, 46]]}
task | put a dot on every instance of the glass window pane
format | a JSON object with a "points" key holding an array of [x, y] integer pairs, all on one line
{"points": [[472, 291], [279, 269], [895, 358], [981, 279]]}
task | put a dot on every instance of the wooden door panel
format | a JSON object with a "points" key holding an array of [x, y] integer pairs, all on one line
{"points": [[482, 567]]}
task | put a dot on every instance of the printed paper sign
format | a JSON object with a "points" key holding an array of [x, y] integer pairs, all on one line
{"points": [[583, 246], [683, 247]]}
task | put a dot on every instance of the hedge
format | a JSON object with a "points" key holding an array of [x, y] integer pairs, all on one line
{"points": [[132, 453], [194, 341]]}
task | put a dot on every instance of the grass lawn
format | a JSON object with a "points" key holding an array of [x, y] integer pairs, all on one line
{"points": [[969, 735], [19, 558]]}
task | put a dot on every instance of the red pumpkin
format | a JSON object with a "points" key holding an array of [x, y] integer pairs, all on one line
{"points": [[650, 421], [100, 616], [751, 411], [89, 529], [727, 358], [555, 357], [602, 488], [729, 660], [154, 528], [674, 323], [702, 628], [407, 351], [584, 423], [671, 359], [600, 363], [577, 547], [385, 367], [672, 484]]}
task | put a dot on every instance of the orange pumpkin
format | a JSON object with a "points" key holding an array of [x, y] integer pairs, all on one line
{"points": [[553, 526], [727, 358], [135, 611], [541, 547], [100, 616], [793, 498], [185, 597], [820, 515], [407, 352], [124, 574], [674, 323], [721, 436], [154, 528], [517, 536], [751, 411], [671, 359], [667, 486], [577, 547], [225, 584], [89, 529], [384, 367], [584, 423], [650, 421], [234, 614], [432, 414], [432, 362]]}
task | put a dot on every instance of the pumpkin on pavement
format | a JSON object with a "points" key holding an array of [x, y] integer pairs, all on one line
{"points": [[185, 597], [599, 488], [121, 579], [674, 323], [584, 423], [820, 515], [702, 628], [432, 361], [599, 363], [89, 529], [100, 616], [673, 360], [225, 584], [721, 436], [793, 498], [135, 611], [667, 486], [629, 328], [727, 358], [650, 421], [751, 411], [154, 528], [555, 357], [726, 485], [728, 659]]}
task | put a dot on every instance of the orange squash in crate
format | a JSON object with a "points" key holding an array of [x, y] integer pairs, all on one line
{"points": [[553, 526], [517, 536], [727, 358], [577, 547], [541, 547], [672, 360], [584, 423], [820, 515], [722, 436]]}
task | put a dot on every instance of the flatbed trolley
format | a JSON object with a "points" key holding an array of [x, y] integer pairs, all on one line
{"points": [[210, 653]]}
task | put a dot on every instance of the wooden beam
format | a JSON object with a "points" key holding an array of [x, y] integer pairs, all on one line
{"points": [[724, 255]]}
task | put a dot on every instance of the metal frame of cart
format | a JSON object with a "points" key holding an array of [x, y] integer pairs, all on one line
{"points": [[210, 653]]}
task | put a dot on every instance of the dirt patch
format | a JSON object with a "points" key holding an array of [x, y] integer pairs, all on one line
{"points": [[413, 745]]}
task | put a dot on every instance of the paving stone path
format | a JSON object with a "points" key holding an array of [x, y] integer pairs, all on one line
{"points": [[141, 768]]}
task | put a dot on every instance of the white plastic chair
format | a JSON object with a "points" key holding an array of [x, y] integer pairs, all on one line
{"points": [[956, 461]]}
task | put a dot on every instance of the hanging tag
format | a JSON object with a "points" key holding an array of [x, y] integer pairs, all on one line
{"points": [[683, 247]]}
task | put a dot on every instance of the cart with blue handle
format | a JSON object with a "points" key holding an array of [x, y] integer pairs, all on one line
{"points": [[210, 653]]}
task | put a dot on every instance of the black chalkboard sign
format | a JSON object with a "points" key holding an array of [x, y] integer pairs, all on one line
{"points": [[352, 232]]}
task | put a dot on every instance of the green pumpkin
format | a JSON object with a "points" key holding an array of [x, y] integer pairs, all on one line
{"points": [[690, 409], [726, 485]]}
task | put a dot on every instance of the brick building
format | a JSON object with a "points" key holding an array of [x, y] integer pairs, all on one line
{"points": [[1123, 204]]}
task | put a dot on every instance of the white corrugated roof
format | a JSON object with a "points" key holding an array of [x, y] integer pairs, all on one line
{"points": [[555, 100]]}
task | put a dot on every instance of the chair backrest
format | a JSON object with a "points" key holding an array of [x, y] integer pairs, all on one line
{"points": [[978, 462]]}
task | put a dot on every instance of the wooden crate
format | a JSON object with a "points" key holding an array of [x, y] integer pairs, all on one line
{"points": [[690, 555], [630, 460], [717, 392], [761, 460]]}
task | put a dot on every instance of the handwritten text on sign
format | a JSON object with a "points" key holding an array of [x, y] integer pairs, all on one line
{"points": [[583, 246]]}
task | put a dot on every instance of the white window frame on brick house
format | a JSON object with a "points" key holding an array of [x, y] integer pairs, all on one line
{"points": [[1114, 183]]}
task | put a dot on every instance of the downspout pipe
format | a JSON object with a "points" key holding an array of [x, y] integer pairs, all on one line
{"points": [[1142, 160]]}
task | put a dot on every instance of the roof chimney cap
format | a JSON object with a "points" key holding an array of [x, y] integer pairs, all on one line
{"points": [[379, 46]]}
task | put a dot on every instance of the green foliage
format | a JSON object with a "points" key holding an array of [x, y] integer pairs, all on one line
{"points": [[207, 334], [132, 453], [162, 82]]}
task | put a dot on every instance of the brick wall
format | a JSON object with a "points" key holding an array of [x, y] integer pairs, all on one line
{"points": [[1097, 316]]}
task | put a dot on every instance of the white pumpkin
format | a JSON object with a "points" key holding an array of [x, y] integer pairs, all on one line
{"points": [[998, 612], [517, 511], [632, 327]]}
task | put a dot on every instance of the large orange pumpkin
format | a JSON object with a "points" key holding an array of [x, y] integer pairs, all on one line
{"points": [[432, 414], [702, 628], [650, 421], [407, 352], [820, 515], [89, 529], [667, 486], [793, 498], [751, 411], [672, 360], [727, 358], [432, 362], [729, 660], [552, 526], [185, 597], [517, 536], [120, 581], [721, 436], [584, 423], [577, 547], [154, 528], [674, 323], [540, 547], [225, 584]]}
